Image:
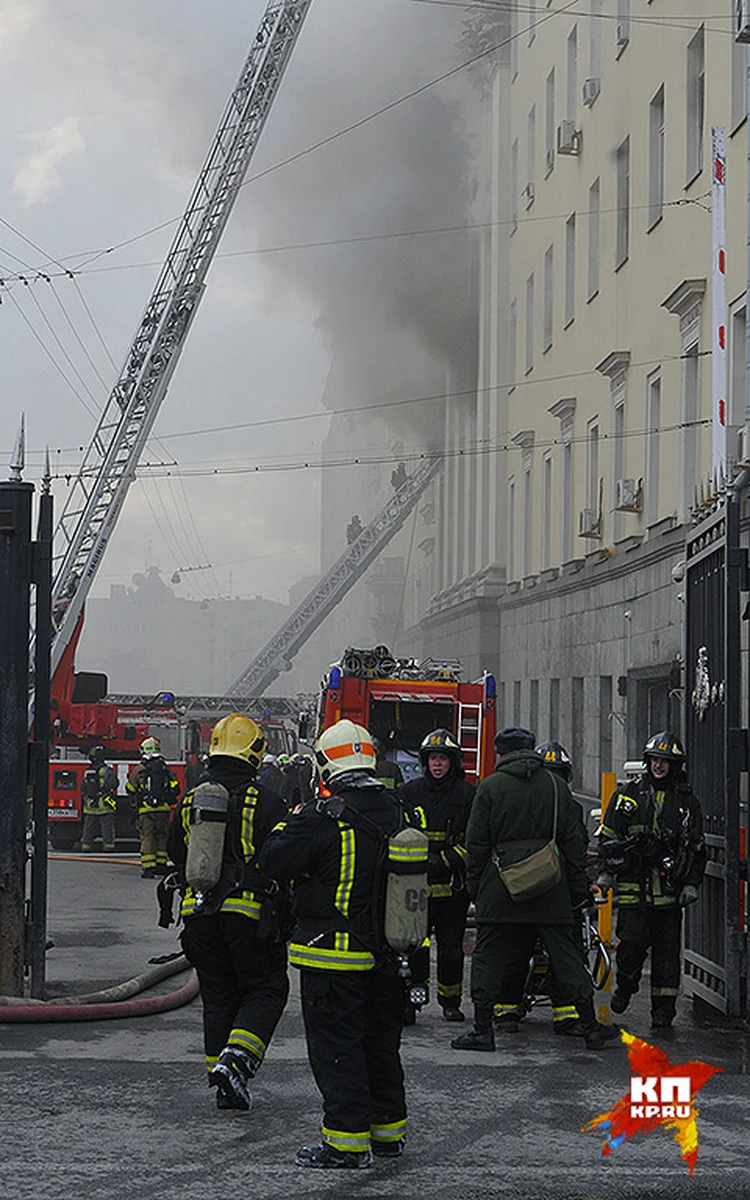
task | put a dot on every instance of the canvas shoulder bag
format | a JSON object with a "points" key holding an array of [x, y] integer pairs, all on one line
{"points": [[538, 872]]}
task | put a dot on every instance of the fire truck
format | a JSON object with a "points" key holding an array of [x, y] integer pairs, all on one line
{"points": [[401, 700]]}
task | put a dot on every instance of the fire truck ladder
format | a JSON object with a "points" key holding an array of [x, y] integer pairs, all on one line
{"points": [[109, 465], [469, 735], [276, 656]]}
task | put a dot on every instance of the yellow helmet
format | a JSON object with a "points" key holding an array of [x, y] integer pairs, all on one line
{"points": [[344, 747], [236, 736]]}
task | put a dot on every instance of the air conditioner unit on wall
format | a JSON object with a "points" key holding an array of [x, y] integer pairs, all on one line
{"points": [[589, 523], [742, 24], [528, 194], [568, 138], [591, 89], [628, 495]]}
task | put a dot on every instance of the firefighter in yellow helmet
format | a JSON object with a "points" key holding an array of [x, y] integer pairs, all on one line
{"points": [[155, 790], [352, 994], [233, 931]]}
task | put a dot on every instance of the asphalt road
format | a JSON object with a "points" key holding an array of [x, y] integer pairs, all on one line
{"points": [[114, 1110]]}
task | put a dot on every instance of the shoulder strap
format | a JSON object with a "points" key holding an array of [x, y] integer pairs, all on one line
{"points": [[554, 820]]}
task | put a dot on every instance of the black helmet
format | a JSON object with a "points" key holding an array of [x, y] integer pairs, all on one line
{"points": [[556, 758], [665, 745], [514, 738], [97, 754], [440, 741]]}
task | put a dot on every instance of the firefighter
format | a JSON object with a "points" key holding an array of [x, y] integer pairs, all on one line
{"points": [[386, 770], [155, 790], [352, 993], [652, 850], [565, 1019], [441, 799], [513, 815], [232, 933], [99, 796]]}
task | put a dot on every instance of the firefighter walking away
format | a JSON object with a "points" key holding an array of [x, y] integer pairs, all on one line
{"points": [[154, 789], [233, 914], [340, 853]]}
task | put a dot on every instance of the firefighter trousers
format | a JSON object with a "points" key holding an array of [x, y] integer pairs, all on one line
{"points": [[447, 919], [353, 1026], [500, 964], [243, 979], [153, 826], [98, 823], [659, 929]]}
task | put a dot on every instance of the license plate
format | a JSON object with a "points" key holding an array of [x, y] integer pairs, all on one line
{"points": [[55, 814]]}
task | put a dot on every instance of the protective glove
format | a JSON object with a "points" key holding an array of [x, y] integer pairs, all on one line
{"points": [[688, 895], [605, 882]]}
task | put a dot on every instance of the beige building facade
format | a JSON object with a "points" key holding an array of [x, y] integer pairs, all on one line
{"points": [[571, 477]]}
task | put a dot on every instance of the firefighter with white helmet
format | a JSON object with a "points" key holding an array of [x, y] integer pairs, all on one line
{"points": [[155, 789], [233, 935], [352, 994]]}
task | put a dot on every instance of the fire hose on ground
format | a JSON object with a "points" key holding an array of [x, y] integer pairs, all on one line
{"points": [[111, 1004]]}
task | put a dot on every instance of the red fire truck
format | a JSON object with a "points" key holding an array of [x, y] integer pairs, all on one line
{"points": [[400, 701]]}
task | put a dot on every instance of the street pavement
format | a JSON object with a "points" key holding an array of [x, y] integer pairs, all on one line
{"points": [[119, 1109]]}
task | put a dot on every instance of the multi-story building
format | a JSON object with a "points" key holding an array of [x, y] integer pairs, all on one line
{"points": [[590, 440]]}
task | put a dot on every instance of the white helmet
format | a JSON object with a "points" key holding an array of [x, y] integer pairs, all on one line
{"points": [[344, 747]]}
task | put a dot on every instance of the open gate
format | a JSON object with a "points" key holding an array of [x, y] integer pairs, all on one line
{"points": [[716, 574]]}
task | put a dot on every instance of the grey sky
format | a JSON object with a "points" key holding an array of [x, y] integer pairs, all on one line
{"points": [[108, 109]]}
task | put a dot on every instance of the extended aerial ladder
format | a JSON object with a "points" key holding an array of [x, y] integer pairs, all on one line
{"points": [[97, 494], [277, 654]]}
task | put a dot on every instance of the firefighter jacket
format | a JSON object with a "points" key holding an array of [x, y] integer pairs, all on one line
{"points": [[253, 813], [441, 807], [99, 790], [153, 785], [652, 842], [335, 868], [512, 817]]}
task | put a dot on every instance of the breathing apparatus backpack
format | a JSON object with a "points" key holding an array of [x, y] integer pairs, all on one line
{"points": [[399, 897], [90, 784], [209, 818], [157, 791]]}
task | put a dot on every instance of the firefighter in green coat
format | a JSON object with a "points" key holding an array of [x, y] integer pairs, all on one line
{"points": [[513, 816]]}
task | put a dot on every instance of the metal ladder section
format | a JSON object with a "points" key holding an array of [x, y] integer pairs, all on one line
{"points": [[98, 492], [469, 735], [276, 656]]}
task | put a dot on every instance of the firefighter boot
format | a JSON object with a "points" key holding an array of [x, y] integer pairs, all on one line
{"points": [[480, 1037], [620, 999], [326, 1156], [452, 1012], [232, 1075]]}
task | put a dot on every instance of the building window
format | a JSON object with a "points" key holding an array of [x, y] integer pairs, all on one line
{"points": [[549, 123], [595, 40], [571, 92], [622, 248], [530, 156], [529, 323], [517, 702], [592, 466], [656, 158], [653, 421], [690, 430], [527, 521], [605, 723], [534, 706], [513, 339], [622, 26], [570, 269], [577, 725], [594, 218], [554, 709], [511, 528], [532, 21], [546, 549], [738, 84], [514, 186], [566, 489], [549, 283], [618, 463], [695, 109]]}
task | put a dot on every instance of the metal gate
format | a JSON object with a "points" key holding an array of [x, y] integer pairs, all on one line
{"points": [[715, 576]]}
